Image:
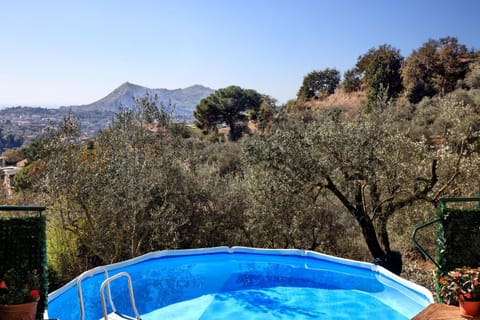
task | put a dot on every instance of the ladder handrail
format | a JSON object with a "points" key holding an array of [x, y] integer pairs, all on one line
{"points": [[419, 247], [84, 275], [106, 282]]}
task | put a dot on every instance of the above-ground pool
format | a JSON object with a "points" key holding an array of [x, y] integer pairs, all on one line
{"points": [[245, 283]]}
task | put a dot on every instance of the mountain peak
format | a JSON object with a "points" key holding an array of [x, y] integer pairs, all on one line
{"points": [[185, 100], [128, 85], [197, 86]]}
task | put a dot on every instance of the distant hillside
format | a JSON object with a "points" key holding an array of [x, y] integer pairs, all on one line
{"points": [[28, 123], [184, 100]]}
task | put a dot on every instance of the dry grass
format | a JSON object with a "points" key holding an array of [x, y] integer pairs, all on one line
{"points": [[340, 99], [349, 103]]}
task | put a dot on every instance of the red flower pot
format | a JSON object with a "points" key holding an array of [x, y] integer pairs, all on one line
{"points": [[24, 311], [468, 308]]}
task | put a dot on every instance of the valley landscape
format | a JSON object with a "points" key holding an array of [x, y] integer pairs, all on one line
{"points": [[28, 123]]}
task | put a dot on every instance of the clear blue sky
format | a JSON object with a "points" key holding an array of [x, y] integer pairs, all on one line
{"points": [[75, 52]]}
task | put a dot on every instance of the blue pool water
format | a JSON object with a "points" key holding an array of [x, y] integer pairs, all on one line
{"points": [[245, 283]]}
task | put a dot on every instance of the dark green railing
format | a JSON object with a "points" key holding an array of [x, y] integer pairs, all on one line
{"points": [[419, 247]]}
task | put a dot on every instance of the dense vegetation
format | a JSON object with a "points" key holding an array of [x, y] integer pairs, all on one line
{"points": [[352, 184], [9, 141]]}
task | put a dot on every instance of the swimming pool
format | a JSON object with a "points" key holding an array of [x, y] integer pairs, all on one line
{"points": [[246, 283]]}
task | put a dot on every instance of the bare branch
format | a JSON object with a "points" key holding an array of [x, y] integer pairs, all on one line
{"points": [[422, 194], [340, 196]]}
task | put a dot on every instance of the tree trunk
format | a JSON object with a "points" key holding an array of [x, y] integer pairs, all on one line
{"points": [[358, 212], [232, 133], [366, 223], [383, 233], [369, 234]]}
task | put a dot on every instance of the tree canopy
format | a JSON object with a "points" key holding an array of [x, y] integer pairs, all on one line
{"points": [[9, 141], [136, 188], [228, 105], [381, 71], [319, 84], [352, 80], [434, 68], [371, 165]]}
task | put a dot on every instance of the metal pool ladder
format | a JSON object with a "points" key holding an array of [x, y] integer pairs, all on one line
{"points": [[114, 315]]}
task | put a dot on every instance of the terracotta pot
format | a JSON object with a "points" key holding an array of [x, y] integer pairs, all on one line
{"points": [[24, 311], [468, 308]]}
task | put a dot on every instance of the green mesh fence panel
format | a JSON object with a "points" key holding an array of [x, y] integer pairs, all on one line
{"points": [[23, 247], [458, 238]]}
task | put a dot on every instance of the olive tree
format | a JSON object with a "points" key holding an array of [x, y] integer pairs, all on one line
{"points": [[370, 165], [109, 193], [137, 187], [282, 212]]}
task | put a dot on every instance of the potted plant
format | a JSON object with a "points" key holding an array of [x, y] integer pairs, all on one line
{"points": [[462, 286], [19, 294]]}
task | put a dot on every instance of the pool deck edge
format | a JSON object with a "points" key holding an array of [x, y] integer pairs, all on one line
{"points": [[441, 311]]}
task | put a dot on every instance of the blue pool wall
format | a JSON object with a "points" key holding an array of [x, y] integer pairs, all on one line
{"points": [[323, 271]]}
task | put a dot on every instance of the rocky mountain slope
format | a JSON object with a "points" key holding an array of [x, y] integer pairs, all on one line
{"points": [[184, 100]]}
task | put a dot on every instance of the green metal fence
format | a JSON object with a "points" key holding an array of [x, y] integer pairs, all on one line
{"points": [[458, 235]]}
